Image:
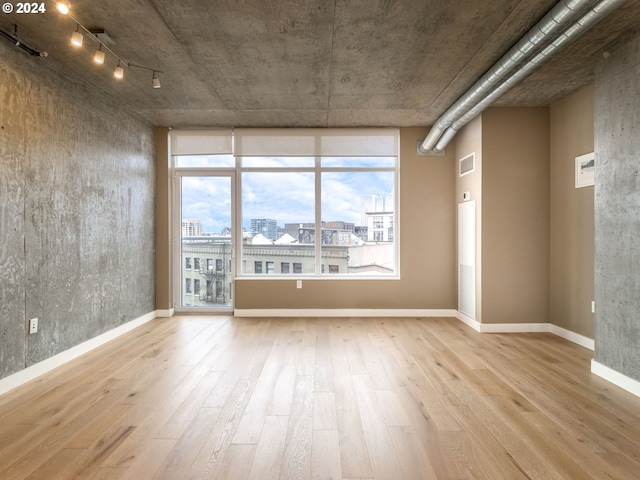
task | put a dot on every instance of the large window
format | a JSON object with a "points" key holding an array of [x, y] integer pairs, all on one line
{"points": [[311, 202], [319, 197]]}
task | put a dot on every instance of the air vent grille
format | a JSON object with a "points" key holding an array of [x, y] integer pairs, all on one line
{"points": [[467, 164]]}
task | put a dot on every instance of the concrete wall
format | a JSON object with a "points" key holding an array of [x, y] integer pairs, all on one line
{"points": [[571, 287], [76, 212], [617, 210], [427, 244]]}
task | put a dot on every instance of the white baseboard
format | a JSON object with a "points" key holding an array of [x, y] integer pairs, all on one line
{"points": [[574, 337], [165, 313], [627, 383], [341, 312], [501, 327], [468, 321], [514, 327], [40, 368]]}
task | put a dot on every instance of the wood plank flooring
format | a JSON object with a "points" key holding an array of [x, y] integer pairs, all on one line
{"points": [[214, 397]]}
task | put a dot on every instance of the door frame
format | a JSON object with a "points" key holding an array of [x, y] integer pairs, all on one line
{"points": [[178, 174]]}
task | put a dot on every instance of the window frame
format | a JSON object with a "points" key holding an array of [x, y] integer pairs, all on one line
{"points": [[318, 170]]}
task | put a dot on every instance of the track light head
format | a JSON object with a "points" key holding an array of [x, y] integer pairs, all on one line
{"points": [[118, 72], [63, 7], [77, 38], [98, 57]]}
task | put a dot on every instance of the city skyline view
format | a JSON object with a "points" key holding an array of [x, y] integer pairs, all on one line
{"points": [[287, 197]]}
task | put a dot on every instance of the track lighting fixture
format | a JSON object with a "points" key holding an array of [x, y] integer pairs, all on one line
{"points": [[102, 38], [155, 81], [98, 57], [118, 72], [14, 40], [77, 37], [63, 7]]}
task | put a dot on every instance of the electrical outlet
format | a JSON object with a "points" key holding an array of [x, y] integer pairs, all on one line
{"points": [[33, 326], [298, 283]]}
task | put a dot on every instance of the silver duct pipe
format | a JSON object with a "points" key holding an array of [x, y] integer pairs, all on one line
{"points": [[547, 34]]}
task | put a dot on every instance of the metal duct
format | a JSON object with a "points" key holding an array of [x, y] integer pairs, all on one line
{"points": [[556, 29]]}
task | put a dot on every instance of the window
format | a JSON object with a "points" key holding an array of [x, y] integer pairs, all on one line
{"points": [[187, 263], [196, 286], [209, 264], [321, 196], [187, 285], [292, 233], [323, 200], [196, 263], [218, 264]]}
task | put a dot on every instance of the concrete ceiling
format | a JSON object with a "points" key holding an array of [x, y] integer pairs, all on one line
{"points": [[309, 63]]}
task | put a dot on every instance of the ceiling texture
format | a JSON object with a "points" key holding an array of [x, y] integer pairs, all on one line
{"points": [[309, 63]]}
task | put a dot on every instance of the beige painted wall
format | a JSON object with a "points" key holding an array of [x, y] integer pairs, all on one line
{"points": [[468, 141], [164, 283], [572, 211], [427, 255], [515, 215]]}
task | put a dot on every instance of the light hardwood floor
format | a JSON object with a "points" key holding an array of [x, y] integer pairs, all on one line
{"points": [[352, 398]]}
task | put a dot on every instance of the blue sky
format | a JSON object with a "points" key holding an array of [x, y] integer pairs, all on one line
{"points": [[287, 197]]}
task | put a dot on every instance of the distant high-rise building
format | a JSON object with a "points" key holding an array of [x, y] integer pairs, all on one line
{"points": [[191, 228], [265, 226], [381, 202], [377, 216]]}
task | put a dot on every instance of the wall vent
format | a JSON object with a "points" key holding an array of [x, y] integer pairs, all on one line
{"points": [[467, 259], [467, 164]]}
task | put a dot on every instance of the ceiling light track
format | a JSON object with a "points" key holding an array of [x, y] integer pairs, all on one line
{"points": [[13, 39], [103, 40]]}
